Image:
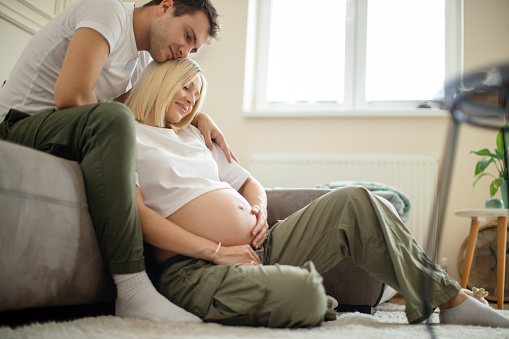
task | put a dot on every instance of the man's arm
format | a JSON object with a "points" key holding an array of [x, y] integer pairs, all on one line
{"points": [[83, 63], [255, 194], [166, 235]]}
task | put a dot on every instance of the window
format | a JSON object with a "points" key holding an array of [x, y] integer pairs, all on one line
{"points": [[349, 57]]}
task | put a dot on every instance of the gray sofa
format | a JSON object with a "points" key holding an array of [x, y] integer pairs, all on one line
{"points": [[49, 256]]}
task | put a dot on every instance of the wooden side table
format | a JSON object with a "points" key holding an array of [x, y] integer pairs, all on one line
{"points": [[487, 213]]}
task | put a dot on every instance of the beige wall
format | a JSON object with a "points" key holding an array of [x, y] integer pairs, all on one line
{"points": [[485, 41], [485, 26]]}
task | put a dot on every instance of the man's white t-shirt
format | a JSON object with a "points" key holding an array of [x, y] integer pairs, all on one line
{"points": [[31, 83], [173, 169]]}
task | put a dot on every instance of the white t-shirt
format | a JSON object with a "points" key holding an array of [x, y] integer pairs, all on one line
{"points": [[173, 169], [31, 83]]}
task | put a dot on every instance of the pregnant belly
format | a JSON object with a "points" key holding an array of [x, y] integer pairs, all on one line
{"points": [[221, 215]]}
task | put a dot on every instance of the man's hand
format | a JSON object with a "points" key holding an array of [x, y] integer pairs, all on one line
{"points": [[210, 132], [242, 254], [261, 229]]}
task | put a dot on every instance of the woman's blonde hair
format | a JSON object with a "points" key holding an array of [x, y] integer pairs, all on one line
{"points": [[156, 87]]}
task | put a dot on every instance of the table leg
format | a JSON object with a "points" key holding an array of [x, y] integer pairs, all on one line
{"points": [[472, 240], [501, 258]]}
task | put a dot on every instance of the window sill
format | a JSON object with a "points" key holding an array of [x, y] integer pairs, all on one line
{"points": [[372, 113]]}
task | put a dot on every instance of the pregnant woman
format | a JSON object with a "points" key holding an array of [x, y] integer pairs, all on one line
{"points": [[206, 219]]}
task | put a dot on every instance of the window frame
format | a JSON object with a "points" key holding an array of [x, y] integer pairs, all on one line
{"points": [[355, 68]]}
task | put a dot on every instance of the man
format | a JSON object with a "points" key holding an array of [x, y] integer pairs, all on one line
{"points": [[58, 100]]}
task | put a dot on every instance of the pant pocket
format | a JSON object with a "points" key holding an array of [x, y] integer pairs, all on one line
{"points": [[10, 119]]}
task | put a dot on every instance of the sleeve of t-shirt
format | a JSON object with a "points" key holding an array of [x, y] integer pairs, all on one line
{"points": [[143, 60], [232, 173], [107, 17]]}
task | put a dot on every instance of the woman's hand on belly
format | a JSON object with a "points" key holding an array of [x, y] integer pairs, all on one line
{"points": [[226, 255], [243, 254], [261, 229]]}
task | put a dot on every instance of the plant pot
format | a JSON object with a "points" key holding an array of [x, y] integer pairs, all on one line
{"points": [[505, 194], [494, 203]]}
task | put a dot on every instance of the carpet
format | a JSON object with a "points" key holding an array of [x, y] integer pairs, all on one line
{"points": [[388, 322]]}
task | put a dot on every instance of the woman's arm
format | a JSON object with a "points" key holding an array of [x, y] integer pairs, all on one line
{"points": [[210, 132], [166, 235], [255, 194]]}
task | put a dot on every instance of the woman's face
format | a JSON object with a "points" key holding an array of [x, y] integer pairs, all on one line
{"points": [[183, 101]]}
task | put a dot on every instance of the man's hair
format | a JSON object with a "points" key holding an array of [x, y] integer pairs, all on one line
{"points": [[190, 7]]}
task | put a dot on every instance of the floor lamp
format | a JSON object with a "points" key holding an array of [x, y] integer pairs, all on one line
{"points": [[481, 99]]}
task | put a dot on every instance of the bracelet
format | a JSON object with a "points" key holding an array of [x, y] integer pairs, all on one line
{"points": [[217, 250]]}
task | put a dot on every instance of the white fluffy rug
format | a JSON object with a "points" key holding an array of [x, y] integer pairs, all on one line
{"points": [[388, 322]]}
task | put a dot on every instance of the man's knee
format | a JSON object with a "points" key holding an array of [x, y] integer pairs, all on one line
{"points": [[115, 113], [113, 122]]}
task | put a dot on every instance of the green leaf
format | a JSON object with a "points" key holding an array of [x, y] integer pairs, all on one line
{"points": [[495, 184], [485, 153], [482, 164], [504, 131], [500, 139], [497, 158]]}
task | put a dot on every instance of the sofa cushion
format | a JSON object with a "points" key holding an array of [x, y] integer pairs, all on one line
{"points": [[48, 250]]}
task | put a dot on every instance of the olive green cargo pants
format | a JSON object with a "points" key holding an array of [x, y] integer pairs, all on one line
{"points": [[286, 291], [101, 137]]}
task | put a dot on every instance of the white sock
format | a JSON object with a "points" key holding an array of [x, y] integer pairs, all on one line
{"points": [[473, 312], [138, 298]]}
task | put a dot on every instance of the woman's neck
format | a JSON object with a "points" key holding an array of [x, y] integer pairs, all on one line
{"points": [[151, 122]]}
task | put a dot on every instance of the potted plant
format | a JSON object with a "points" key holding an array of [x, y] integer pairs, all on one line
{"points": [[498, 158]]}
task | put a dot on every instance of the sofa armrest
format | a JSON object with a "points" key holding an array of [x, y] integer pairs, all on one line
{"points": [[48, 248]]}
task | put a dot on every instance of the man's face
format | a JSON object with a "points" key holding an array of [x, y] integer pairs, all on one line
{"points": [[175, 37]]}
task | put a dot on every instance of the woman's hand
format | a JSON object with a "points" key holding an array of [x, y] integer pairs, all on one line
{"points": [[210, 132], [261, 229], [242, 254]]}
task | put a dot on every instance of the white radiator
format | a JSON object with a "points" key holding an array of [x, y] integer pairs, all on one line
{"points": [[413, 174]]}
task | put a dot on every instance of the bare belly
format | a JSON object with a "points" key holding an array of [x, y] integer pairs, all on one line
{"points": [[221, 215]]}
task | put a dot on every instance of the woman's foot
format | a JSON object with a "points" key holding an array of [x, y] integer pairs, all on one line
{"points": [[465, 310], [138, 298]]}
